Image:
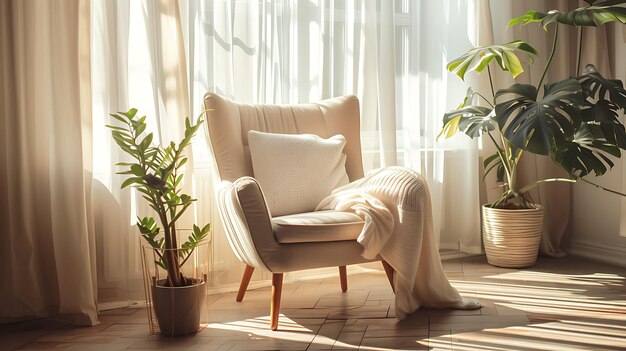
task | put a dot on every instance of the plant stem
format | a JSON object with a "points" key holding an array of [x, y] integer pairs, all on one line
{"points": [[486, 100], [501, 154], [173, 269], [601, 187], [188, 255], [505, 160], [549, 180], [493, 92], [545, 70], [580, 50], [180, 213], [494, 142]]}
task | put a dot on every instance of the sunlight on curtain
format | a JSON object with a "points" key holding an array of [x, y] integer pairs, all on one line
{"points": [[428, 35], [47, 256], [139, 61], [391, 54]]}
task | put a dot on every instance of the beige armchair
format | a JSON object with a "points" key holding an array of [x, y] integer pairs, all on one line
{"points": [[293, 242]]}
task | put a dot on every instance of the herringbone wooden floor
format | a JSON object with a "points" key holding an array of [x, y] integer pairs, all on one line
{"points": [[559, 304]]}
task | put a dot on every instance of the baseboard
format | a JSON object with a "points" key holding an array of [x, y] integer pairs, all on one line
{"points": [[454, 254], [599, 252], [114, 305]]}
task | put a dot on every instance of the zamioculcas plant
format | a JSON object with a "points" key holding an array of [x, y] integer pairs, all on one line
{"points": [[574, 121], [156, 172]]}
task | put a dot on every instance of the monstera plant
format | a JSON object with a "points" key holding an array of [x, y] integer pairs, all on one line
{"points": [[574, 121]]}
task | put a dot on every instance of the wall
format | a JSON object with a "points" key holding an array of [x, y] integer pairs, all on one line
{"points": [[594, 229]]}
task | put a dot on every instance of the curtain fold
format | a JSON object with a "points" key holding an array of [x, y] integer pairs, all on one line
{"points": [[47, 256], [441, 31], [139, 61]]}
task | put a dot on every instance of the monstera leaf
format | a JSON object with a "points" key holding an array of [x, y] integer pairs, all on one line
{"points": [[603, 115], [536, 125], [587, 151], [477, 59], [472, 120], [598, 13], [605, 98], [600, 88]]}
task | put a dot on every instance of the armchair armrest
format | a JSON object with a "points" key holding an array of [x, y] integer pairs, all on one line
{"points": [[247, 221]]}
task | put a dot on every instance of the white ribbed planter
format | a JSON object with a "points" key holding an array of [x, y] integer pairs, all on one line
{"points": [[512, 237]]}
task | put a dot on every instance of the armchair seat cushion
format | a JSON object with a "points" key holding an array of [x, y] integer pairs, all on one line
{"points": [[319, 226]]}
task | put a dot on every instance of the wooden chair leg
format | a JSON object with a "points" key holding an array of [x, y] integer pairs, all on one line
{"points": [[343, 277], [245, 280], [390, 273], [277, 288]]}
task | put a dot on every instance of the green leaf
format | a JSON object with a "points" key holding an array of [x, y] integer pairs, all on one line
{"points": [[472, 120], [497, 165], [537, 125], [179, 178], [145, 143], [598, 13], [477, 59], [599, 88], [181, 162], [129, 181], [494, 162], [206, 228], [141, 120], [136, 170], [119, 129], [528, 17], [586, 152], [188, 130], [186, 199], [131, 113], [603, 116], [118, 117], [490, 159], [123, 137], [140, 128]]}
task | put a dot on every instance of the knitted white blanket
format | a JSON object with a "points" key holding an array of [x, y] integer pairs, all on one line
{"points": [[395, 204]]}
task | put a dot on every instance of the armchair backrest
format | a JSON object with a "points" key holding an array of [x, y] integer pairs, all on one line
{"points": [[228, 123]]}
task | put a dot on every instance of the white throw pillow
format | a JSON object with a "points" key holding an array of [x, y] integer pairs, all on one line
{"points": [[296, 171]]}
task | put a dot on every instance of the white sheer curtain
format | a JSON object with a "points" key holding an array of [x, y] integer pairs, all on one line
{"points": [[439, 31], [161, 57], [391, 54], [138, 60]]}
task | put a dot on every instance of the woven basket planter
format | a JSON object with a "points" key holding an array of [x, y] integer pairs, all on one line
{"points": [[512, 237]]}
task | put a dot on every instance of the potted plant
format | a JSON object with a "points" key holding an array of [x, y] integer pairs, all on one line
{"points": [[176, 293], [574, 121]]}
